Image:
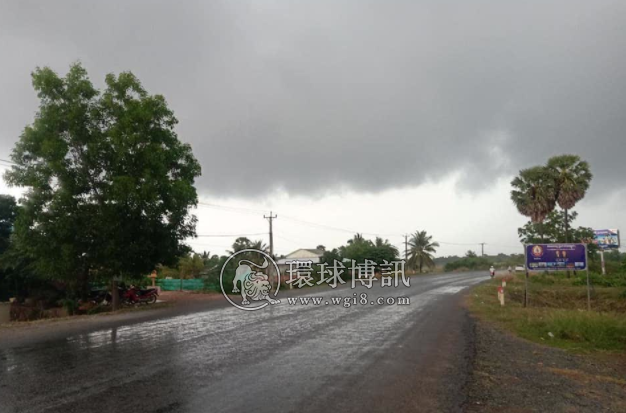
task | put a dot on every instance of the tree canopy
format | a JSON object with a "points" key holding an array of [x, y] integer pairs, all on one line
{"points": [[564, 180], [421, 250], [109, 184]]}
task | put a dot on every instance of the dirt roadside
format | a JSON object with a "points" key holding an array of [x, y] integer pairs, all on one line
{"points": [[513, 375]]}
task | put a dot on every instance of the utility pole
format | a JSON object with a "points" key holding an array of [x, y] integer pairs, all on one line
{"points": [[406, 247], [270, 270], [270, 218], [482, 249]]}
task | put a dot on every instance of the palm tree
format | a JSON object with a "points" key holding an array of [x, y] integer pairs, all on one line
{"points": [[572, 181], [534, 193], [259, 245], [358, 238], [421, 250]]}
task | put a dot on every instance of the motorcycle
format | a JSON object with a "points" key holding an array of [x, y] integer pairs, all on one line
{"points": [[135, 295]]}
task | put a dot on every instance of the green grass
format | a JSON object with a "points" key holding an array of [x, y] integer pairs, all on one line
{"points": [[557, 314]]}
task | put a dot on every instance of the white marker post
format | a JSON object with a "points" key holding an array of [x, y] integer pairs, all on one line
{"points": [[526, 280], [588, 283], [602, 261]]}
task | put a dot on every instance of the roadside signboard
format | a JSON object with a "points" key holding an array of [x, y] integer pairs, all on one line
{"points": [[556, 257], [606, 239]]}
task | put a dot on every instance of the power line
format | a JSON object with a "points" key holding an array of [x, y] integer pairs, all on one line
{"points": [[458, 243], [240, 210], [329, 227]]}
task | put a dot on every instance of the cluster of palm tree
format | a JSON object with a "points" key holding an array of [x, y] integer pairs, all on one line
{"points": [[563, 181], [419, 255]]}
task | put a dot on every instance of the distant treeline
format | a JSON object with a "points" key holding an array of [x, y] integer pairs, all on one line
{"points": [[472, 262]]}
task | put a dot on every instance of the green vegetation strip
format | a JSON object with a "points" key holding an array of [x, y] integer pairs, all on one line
{"points": [[556, 315]]}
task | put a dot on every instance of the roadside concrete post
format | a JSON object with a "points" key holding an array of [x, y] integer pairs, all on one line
{"points": [[526, 279], [501, 296], [602, 261], [588, 282]]}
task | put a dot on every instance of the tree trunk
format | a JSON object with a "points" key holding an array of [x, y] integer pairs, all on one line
{"points": [[115, 297], [83, 284], [569, 274]]}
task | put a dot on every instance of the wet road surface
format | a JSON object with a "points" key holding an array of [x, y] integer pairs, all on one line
{"points": [[305, 358]]}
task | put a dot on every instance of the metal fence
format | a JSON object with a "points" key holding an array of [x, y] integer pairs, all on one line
{"points": [[177, 285]]}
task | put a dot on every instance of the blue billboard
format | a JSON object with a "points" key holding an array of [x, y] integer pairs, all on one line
{"points": [[556, 257], [606, 239]]}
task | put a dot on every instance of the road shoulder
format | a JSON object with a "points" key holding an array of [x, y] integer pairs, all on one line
{"points": [[514, 375]]}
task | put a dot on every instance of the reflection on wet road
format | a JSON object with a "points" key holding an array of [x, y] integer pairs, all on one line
{"points": [[282, 358]]}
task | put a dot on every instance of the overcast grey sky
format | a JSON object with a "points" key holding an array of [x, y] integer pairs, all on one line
{"points": [[325, 100]]}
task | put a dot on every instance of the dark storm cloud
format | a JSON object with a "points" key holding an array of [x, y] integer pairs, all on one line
{"points": [[315, 96]]}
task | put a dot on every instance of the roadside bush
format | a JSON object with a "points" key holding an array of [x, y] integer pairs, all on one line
{"points": [[543, 279], [599, 280], [612, 267], [594, 330], [70, 304], [471, 263]]}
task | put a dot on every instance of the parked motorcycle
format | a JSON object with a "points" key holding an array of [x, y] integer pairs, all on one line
{"points": [[135, 295]]}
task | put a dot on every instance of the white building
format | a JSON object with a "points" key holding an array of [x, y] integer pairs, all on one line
{"points": [[303, 254]]}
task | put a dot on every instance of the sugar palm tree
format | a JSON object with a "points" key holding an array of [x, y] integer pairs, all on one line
{"points": [[534, 193], [421, 250], [572, 181]]}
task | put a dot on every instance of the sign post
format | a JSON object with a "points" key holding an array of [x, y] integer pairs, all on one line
{"points": [[557, 257], [606, 239]]}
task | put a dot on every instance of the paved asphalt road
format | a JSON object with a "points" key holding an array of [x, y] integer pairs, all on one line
{"points": [[284, 358]]}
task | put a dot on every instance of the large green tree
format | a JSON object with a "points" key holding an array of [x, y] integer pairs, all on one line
{"points": [[421, 250], [552, 230], [109, 184], [360, 249], [383, 250], [8, 213], [572, 177]]}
